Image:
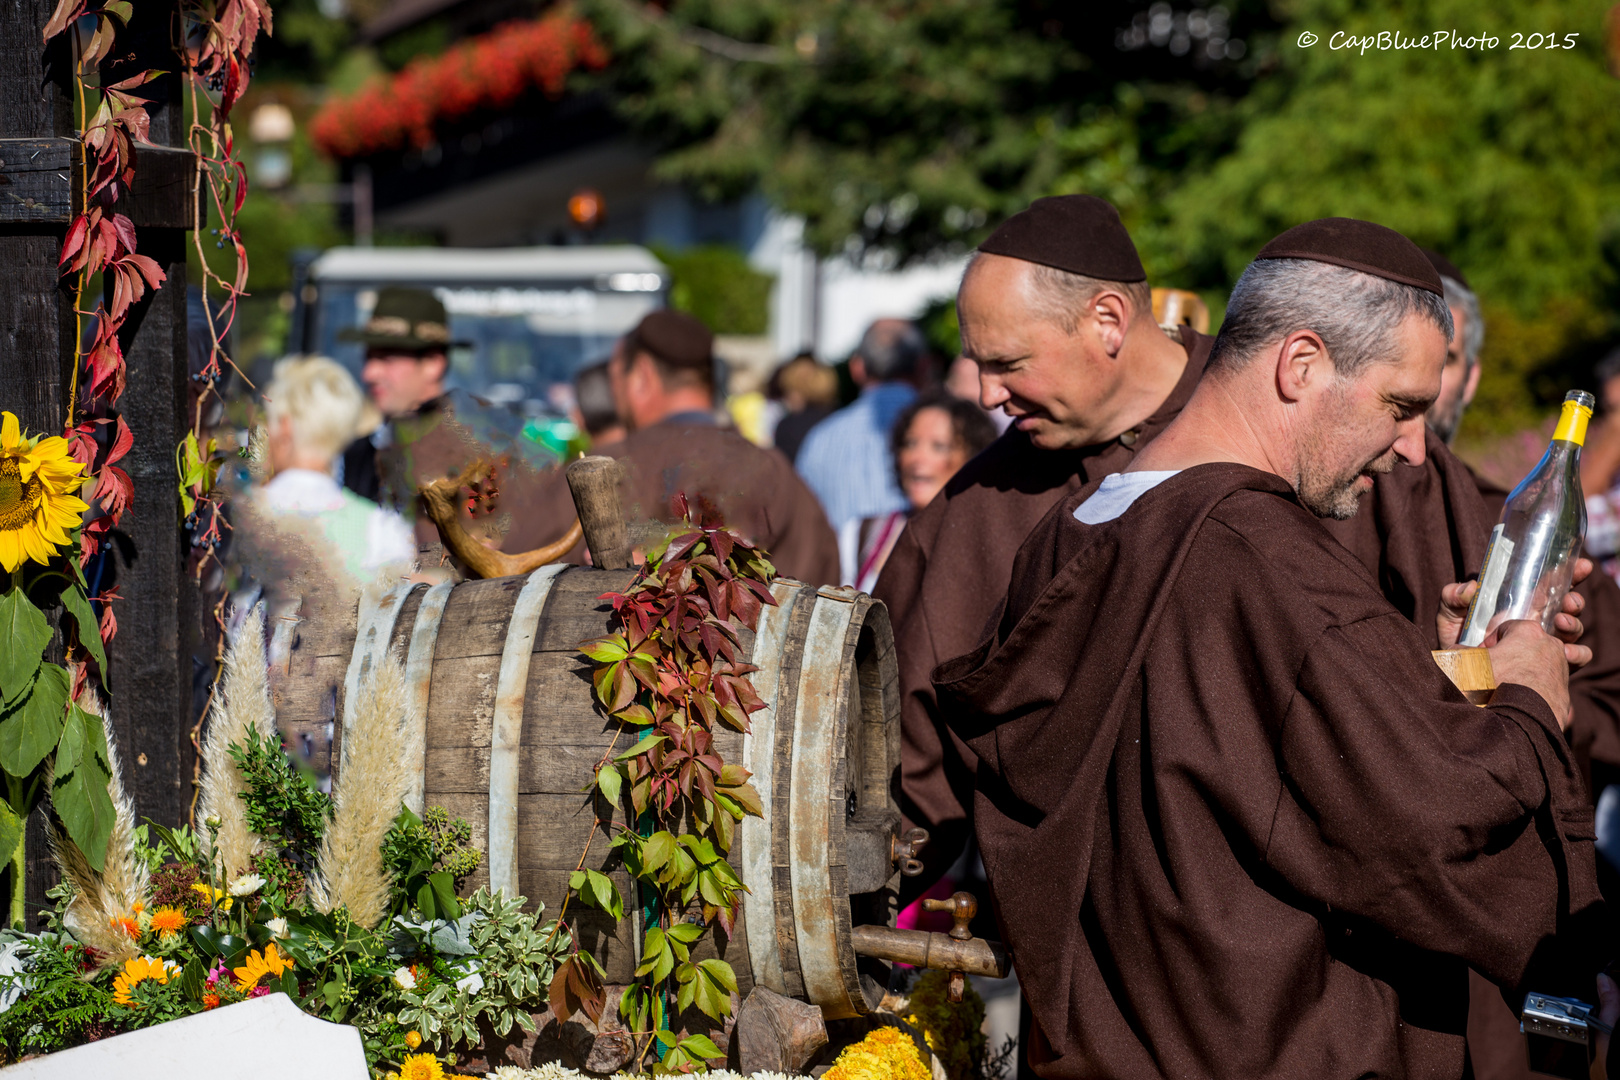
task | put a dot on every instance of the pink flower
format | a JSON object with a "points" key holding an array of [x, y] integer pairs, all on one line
{"points": [[216, 973], [258, 991]]}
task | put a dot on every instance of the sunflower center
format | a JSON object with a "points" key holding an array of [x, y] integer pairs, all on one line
{"points": [[18, 500]]}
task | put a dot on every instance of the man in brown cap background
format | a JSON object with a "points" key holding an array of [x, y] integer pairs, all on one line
{"points": [[1056, 311], [431, 432], [662, 374], [1235, 820]]}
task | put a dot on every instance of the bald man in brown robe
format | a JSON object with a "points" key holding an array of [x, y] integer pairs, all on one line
{"points": [[1057, 312], [1235, 821]]}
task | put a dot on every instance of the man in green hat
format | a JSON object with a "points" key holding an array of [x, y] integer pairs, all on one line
{"points": [[432, 431]]}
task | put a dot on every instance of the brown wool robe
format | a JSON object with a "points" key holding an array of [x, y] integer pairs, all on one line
{"points": [[1422, 528], [1235, 820], [946, 579], [756, 491]]}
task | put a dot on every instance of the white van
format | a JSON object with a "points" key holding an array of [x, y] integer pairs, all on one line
{"points": [[533, 316]]}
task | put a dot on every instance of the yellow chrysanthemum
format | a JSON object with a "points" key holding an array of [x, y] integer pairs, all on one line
{"points": [[421, 1067], [214, 896], [136, 971], [270, 963], [169, 921], [885, 1054], [37, 504]]}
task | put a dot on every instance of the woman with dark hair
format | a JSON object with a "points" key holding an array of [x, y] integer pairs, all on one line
{"points": [[932, 438]]}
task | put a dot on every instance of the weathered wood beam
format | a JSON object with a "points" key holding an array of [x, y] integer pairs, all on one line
{"points": [[40, 180]]}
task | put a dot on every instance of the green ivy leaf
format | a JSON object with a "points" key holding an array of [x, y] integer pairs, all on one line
{"points": [[658, 850], [12, 829], [642, 747], [31, 728], [78, 605], [610, 781], [26, 633], [701, 1046]]}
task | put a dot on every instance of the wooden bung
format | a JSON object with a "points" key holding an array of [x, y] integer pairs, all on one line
{"points": [[594, 482], [1470, 670]]}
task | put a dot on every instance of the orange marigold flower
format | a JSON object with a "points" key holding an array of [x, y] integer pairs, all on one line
{"points": [[210, 1001], [168, 921], [421, 1067], [413, 1039]]}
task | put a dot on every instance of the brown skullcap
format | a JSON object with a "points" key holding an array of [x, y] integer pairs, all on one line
{"points": [[1078, 233], [1359, 245], [675, 338], [1446, 268]]}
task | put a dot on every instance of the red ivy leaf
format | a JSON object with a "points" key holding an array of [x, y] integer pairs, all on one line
{"points": [[122, 441], [73, 243], [114, 491], [109, 621]]}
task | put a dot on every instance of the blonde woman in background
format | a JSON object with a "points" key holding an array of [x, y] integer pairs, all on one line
{"points": [[313, 408]]}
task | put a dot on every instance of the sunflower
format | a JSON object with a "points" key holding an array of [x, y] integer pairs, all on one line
{"points": [[37, 504], [169, 921], [270, 963], [137, 971], [421, 1067]]}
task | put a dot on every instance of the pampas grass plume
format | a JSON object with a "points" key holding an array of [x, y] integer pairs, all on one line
{"points": [[241, 704], [99, 898], [381, 746]]}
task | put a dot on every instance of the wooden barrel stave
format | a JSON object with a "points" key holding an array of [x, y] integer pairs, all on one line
{"points": [[847, 696]]}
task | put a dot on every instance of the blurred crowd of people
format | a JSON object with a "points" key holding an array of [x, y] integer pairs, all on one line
{"points": [[827, 485]]}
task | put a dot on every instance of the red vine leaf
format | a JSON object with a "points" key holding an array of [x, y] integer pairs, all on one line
{"points": [[114, 491], [122, 441], [66, 14], [109, 621]]}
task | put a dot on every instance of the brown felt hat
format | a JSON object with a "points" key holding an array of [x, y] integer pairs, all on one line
{"points": [[1078, 233], [405, 318], [1359, 245], [1446, 267], [677, 339]]}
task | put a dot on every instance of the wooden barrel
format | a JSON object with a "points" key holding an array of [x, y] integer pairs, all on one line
{"points": [[512, 736]]}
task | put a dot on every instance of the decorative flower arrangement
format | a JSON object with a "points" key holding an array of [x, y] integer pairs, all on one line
{"points": [[487, 72], [347, 904], [886, 1054]]}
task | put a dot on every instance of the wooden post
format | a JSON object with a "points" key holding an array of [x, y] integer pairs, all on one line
{"points": [[40, 164], [36, 316], [159, 621]]}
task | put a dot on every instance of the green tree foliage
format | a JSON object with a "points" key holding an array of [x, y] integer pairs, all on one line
{"points": [[1505, 159], [901, 128]]}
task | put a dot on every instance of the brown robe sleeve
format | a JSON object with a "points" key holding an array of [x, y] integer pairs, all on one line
{"points": [[1413, 818]]}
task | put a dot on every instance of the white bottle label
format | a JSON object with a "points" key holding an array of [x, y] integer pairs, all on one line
{"points": [[1497, 558]]}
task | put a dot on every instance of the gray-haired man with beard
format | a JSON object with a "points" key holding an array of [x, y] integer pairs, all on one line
{"points": [[1236, 822]]}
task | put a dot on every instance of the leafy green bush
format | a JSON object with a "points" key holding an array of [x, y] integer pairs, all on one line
{"points": [[717, 285]]}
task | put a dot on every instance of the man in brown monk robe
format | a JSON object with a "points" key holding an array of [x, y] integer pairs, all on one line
{"points": [[1056, 311], [1424, 527], [662, 374], [1235, 820]]}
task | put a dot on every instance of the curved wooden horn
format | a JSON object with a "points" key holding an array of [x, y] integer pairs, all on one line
{"points": [[442, 498]]}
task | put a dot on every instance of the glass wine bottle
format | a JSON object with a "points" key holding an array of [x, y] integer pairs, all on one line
{"points": [[1531, 558]]}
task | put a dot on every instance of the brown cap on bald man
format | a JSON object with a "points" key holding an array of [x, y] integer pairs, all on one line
{"points": [[1081, 234]]}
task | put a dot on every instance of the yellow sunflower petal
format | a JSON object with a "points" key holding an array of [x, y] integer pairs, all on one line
{"points": [[11, 552], [10, 431]]}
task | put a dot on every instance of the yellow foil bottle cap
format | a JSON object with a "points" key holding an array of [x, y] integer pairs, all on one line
{"points": [[1573, 420]]}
